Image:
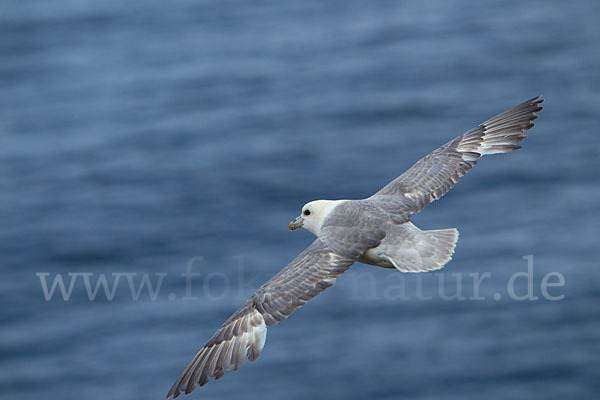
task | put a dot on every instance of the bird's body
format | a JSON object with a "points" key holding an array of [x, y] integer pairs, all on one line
{"points": [[403, 246], [376, 230]]}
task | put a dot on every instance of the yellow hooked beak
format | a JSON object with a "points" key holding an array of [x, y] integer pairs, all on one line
{"points": [[297, 223]]}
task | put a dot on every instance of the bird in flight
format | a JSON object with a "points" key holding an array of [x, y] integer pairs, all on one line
{"points": [[376, 230]]}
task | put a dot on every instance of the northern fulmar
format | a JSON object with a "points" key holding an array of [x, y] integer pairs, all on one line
{"points": [[376, 230]]}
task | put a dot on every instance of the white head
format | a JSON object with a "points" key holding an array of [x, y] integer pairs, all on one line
{"points": [[313, 215]]}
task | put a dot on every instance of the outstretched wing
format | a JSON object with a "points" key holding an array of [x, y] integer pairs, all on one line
{"points": [[243, 335], [436, 173]]}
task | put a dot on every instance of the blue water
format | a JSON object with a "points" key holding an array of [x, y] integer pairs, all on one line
{"points": [[135, 136]]}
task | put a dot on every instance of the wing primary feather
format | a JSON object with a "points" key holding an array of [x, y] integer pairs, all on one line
{"points": [[242, 336], [435, 174]]}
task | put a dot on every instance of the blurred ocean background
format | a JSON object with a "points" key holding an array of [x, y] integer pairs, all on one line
{"points": [[135, 136]]}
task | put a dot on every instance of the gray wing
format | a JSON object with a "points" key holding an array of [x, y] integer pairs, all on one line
{"points": [[243, 335], [435, 174]]}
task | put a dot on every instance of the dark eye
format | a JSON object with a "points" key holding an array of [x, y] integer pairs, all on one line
{"points": [[306, 212]]}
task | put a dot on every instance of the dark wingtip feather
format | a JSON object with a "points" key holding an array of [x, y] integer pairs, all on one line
{"points": [[173, 392], [189, 390], [537, 100]]}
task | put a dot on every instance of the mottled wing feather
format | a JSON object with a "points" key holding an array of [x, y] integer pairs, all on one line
{"points": [[435, 174], [242, 336], [313, 271]]}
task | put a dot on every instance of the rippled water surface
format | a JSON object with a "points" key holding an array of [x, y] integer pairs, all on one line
{"points": [[135, 136]]}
